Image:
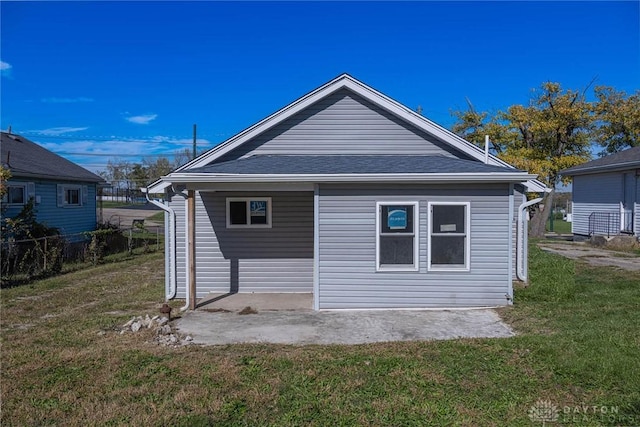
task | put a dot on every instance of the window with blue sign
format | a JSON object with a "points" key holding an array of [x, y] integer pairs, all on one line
{"points": [[397, 236], [248, 212]]}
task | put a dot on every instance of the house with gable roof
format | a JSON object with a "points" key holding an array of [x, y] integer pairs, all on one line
{"points": [[606, 195], [63, 192], [350, 196]]}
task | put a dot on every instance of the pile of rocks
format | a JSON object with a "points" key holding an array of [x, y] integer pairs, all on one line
{"points": [[164, 333]]}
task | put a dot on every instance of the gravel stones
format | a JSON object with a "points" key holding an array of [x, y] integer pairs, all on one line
{"points": [[164, 333]]}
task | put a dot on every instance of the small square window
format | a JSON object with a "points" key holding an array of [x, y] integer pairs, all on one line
{"points": [[72, 196], [15, 195], [248, 212]]}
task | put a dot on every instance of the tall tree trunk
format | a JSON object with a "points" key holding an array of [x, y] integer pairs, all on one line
{"points": [[539, 220]]}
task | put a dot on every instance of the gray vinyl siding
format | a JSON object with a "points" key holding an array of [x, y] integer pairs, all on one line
{"points": [[343, 123], [595, 193], [70, 220], [636, 209], [276, 259], [347, 258]]}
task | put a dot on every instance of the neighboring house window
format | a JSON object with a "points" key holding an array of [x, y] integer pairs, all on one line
{"points": [[448, 245], [18, 193], [248, 212], [71, 195], [397, 236]]}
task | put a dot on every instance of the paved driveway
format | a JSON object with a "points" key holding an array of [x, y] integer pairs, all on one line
{"points": [[124, 216], [592, 255], [340, 327]]}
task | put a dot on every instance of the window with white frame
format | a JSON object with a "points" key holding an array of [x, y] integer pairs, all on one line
{"points": [[448, 242], [397, 236], [248, 212], [16, 194], [71, 195]]}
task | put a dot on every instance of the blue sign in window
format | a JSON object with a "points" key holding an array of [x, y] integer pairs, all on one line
{"points": [[258, 208], [397, 218]]}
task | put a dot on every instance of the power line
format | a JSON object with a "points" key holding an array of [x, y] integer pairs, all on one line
{"points": [[117, 139], [66, 153]]}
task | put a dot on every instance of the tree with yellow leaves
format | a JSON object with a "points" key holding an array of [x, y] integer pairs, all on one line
{"points": [[551, 133]]}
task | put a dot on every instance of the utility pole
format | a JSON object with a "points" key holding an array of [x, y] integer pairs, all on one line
{"points": [[194, 140]]}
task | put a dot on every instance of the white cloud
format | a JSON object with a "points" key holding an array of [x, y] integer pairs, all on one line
{"points": [[94, 154], [55, 100], [5, 68], [58, 131], [143, 119]]}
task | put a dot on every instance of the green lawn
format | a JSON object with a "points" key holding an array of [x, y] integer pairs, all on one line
{"points": [[578, 345], [157, 217], [559, 226], [111, 204]]}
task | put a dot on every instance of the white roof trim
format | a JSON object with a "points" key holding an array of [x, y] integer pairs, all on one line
{"points": [[370, 94], [376, 177], [157, 187]]}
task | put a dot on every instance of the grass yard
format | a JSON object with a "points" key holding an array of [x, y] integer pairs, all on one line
{"points": [[578, 346], [113, 204], [157, 217], [559, 226]]}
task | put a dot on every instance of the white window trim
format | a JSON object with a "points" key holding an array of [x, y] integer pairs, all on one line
{"points": [[467, 234], [416, 237], [25, 196], [247, 200], [67, 187]]}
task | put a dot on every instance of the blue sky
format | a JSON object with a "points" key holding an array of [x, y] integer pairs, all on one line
{"points": [[101, 80]]}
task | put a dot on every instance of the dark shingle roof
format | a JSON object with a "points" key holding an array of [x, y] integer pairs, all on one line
{"points": [[624, 159], [347, 164], [25, 158]]}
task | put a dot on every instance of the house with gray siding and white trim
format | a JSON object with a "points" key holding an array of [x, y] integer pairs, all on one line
{"points": [[352, 197], [606, 195]]}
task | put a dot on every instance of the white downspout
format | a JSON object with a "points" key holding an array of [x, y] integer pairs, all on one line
{"points": [[185, 307], [522, 249], [170, 257]]}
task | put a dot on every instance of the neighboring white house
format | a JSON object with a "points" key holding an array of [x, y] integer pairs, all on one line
{"points": [[606, 195], [350, 196]]}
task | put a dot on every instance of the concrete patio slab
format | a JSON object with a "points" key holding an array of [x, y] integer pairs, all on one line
{"points": [[340, 327]]}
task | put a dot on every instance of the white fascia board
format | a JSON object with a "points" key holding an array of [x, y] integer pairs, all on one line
{"points": [[325, 178], [158, 186], [535, 186]]}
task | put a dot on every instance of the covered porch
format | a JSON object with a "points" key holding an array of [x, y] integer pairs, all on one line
{"points": [[248, 245]]}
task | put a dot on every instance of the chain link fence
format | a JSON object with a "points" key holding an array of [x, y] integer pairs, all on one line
{"points": [[24, 260]]}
